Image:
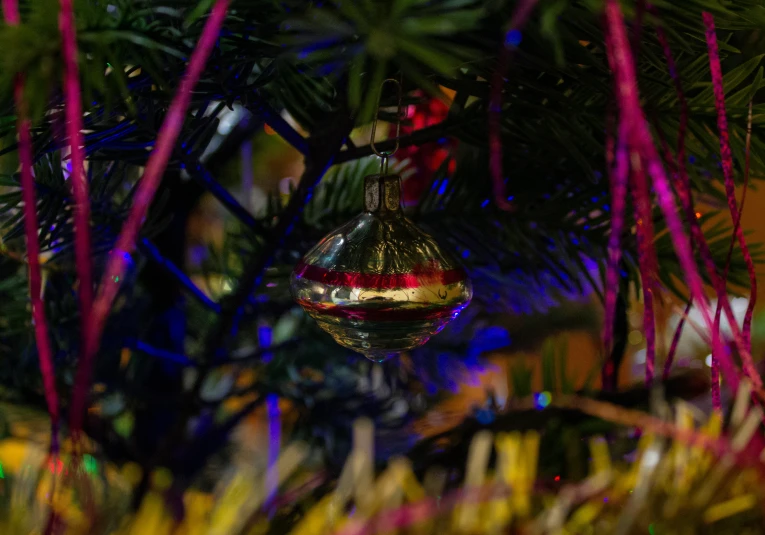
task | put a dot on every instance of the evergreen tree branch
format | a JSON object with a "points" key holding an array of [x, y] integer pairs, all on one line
{"points": [[275, 120], [159, 353], [323, 148], [152, 253], [199, 172], [418, 137]]}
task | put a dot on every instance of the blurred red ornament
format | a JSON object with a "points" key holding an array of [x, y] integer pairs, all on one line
{"points": [[425, 159]]}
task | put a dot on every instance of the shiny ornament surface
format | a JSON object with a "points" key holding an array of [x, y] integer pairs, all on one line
{"points": [[378, 284]]}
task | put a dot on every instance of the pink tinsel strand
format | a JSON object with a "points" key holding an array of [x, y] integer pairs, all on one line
{"points": [[747, 167], [685, 183], [675, 342], [607, 373], [11, 12], [684, 192], [617, 160], [78, 178], [646, 260], [609, 298], [39, 321], [737, 226], [619, 183], [44, 350], [720, 302], [683, 186], [730, 190], [640, 138], [520, 16], [649, 327], [155, 167], [714, 378]]}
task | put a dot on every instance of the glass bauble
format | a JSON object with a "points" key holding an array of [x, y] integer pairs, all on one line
{"points": [[378, 284]]}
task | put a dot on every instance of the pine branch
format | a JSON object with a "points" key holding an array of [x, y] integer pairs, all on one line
{"points": [[552, 121], [150, 250], [159, 353], [323, 147], [275, 120], [419, 137], [200, 173]]}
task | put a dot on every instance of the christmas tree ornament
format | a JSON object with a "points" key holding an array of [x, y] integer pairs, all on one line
{"points": [[378, 284]]}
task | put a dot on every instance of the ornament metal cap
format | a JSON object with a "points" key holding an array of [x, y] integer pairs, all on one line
{"points": [[378, 284], [382, 193]]}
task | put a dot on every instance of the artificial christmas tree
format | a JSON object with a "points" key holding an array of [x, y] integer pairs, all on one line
{"points": [[571, 128]]}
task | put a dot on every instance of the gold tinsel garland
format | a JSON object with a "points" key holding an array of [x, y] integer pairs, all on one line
{"points": [[685, 477]]}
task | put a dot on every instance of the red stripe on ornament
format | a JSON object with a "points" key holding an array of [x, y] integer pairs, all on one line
{"points": [[379, 281], [390, 314]]}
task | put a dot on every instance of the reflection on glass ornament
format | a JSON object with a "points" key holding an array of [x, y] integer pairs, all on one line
{"points": [[378, 284]]}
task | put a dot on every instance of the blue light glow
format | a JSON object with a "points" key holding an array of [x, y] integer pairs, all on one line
{"points": [[445, 367], [274, 443], [484, 416], [265, 335], [542, 400], [489, 339], [513, 38]]}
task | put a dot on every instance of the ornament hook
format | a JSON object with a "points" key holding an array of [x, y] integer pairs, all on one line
{"points": [[385, 155]]}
